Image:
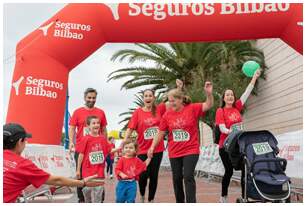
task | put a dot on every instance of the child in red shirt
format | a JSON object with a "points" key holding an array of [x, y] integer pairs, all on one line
{"points": [[128, 169], [93, 150]]}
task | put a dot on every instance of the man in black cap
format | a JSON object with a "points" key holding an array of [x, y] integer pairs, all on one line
{"points": [[18, 172]]}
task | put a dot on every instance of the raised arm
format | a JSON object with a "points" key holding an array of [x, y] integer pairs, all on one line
{"points": [[208, 88], [250, 87]]}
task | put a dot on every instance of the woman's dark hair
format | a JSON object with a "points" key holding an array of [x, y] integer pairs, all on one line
{"points": [[223, 95], [9, 144], [90, 90], [153, 105], [89, 118]]}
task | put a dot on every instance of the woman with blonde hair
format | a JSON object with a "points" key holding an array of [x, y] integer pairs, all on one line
{"points": [[181, 121]]}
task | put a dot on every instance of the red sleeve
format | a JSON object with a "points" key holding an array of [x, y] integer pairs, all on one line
{"points": [[73, 120], [239, 105], [103, 120], [82, 145], [134, 120], [33, 174], [119, 167], [163, 126], [140, 167], [198, 109], [161, 108], [109, 147], [220, 117]]}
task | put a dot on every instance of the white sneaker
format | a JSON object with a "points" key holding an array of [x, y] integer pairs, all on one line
{"points": [[152, 201], [142, 199], [223, 199], [111, 176]]}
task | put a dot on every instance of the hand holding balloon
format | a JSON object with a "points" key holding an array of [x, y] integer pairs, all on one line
{"points": [[249, 68]]}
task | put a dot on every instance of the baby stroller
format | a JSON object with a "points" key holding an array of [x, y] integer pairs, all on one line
{"points": [[255, 153]]}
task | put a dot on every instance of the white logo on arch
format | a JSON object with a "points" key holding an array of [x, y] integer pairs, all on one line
{"points": [[114, 9], [17, 84], [45, 28]]}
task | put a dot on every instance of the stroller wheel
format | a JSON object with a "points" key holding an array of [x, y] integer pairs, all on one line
{"points": [[239, 200]]}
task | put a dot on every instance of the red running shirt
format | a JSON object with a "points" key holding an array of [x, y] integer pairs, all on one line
{"points": [[18, 173], [112, 155], [95, 150], [229, 117], [132, 167], [78, 120], [146, 126], [183, 130]]}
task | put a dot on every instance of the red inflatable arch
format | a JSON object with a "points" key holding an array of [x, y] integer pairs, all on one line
{"points": [[45, 57]]}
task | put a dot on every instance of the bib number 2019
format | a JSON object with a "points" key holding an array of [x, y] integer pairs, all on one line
{"points": [[180, 135]]}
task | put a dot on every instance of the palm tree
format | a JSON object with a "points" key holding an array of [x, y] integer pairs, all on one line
{"points": [[193, 63]]}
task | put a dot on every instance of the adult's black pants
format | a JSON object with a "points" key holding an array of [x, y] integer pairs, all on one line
{"points": [[79, 189], [183, 169], [229, 173], [151, 173]]}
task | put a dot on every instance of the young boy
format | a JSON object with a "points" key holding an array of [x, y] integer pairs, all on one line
{"points": [[128, 169], [93, 150]]}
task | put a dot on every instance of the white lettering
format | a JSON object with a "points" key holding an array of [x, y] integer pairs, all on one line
{"points": [[270, 8], [197, 9], [285, 8], [137, 10], [227, 8], [159, 14], [259, 9], [146, 8], [29, 80], [210, 9]]}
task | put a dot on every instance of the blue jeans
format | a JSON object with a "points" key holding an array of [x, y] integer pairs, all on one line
{"points": [[126, 191]]}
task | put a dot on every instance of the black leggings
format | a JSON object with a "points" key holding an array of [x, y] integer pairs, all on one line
{"points": [[151, 173], [229, 173], [183, 169], [109, 165]]}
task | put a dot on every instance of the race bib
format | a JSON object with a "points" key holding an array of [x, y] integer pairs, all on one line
{"points": [[180, 135], [150, 133], [85, 131], [262, 148], [96, 157]]}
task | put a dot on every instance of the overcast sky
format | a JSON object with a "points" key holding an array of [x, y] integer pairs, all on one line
{"points": [[21, 19]]}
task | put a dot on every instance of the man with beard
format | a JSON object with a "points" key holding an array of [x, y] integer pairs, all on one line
{"points": [[78, 121]]}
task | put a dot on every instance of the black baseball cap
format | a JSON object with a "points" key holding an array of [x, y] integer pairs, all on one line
{"points": [[13, 132]]}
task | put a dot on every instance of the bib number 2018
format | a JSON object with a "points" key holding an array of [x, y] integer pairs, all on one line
{"points": [[180, 135], [96, 157]]}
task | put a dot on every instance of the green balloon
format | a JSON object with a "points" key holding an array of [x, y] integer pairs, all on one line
{"points": [[249, 68]]}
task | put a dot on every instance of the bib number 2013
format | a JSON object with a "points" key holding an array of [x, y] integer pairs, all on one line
{"points": [[150, 133]]}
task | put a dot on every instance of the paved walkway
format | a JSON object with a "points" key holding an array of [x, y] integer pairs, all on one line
{"points": [[207, 191]]}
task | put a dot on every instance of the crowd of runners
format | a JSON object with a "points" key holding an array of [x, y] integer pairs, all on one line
{"points": [[139, 161]]}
